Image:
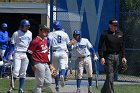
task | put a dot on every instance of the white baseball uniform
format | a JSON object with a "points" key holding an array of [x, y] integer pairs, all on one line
{"points": [[21, 42], [82, 55], [59, 41]]}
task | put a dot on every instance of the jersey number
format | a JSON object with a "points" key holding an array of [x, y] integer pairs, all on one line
{"points": [[59, 38]]}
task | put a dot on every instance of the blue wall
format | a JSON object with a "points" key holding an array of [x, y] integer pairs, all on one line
{"points": [[90, 16]]}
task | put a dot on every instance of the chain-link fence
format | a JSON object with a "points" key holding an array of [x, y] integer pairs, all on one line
{"points": [[129, 24]]}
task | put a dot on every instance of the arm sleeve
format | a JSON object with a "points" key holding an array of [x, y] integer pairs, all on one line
{"points": [[30, 58], [4, 38], [100, 46], [92, 51], [13, 38], [90, 47], [123, 47]]}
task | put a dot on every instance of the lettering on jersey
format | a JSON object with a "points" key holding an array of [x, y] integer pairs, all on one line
{"points": [[24, 38], [59, 38], [80, 46], [44, 48]]}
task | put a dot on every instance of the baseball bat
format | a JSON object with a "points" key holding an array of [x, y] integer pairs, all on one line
{"points": [[96, 74], [12, 78]]}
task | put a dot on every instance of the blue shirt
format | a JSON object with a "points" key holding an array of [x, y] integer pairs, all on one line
{"points": [[3, 39]]}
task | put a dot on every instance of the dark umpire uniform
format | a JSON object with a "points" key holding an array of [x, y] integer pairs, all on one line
{"points": [[111, 45]]}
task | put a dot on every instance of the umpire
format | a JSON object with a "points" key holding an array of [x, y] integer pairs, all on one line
{"points": [[111, 46]]}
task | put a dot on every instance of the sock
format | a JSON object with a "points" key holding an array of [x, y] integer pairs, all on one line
{"points": [[21, 83], [90, 81], [62, 72], [116, 76], [66, 73], [78, 83], [14, 78], [57, 80]]}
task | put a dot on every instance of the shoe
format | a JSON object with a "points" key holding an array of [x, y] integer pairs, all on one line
{"points": [[62, 81], [78, 90], [30, 91], [20, 91], [10, 90], [57, 89], [66, 79], [89, 89]]}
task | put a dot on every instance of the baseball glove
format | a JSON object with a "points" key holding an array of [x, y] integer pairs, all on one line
{"points": [[53, 71], [122, 67]]}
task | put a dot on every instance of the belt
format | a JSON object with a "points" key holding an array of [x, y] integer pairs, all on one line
{"points": [[20, 51], [84, 56], [58, 50], [115, 53]]}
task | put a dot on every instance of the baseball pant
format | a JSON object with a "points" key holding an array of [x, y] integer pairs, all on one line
{"points": [[112, 62], [20, 64], [88, 66], [1, 55], [60, 60], [43, 76]]}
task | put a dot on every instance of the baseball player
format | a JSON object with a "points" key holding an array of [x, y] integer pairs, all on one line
{"points": [[59, 40], [83, 49], [21, 39], [3, 39], [38, 56]]}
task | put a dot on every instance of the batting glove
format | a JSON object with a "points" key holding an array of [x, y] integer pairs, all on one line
{"points": [[95, 57]]}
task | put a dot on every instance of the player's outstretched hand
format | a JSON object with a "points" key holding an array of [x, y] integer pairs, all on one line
{"points": [[72, 41]]}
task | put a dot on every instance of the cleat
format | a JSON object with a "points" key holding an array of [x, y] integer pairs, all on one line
{"points": [[62, 81], [20, 91], [10, 90], [66, 79], [89, 89], [78, 90], [30, 91], [57, 89]]}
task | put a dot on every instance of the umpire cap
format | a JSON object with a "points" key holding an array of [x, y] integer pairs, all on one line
{"points": [[113, 22]]}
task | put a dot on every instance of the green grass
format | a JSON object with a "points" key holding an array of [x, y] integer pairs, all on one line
{"points": [[29, 85], [131, 88]]}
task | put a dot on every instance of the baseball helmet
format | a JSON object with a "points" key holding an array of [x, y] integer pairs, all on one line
{"points": [[77, 32], [24, 22], [4, 25], [57, 25]]}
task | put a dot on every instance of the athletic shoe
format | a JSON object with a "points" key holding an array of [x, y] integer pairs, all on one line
{"points": [[20, 91], [57, 88], [62, 81], [78, 90], [30, 91], [66, 79], [89, 89], [10, 90]]}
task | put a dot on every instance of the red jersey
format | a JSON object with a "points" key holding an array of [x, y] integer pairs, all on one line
{"points": [[39, 49]]}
